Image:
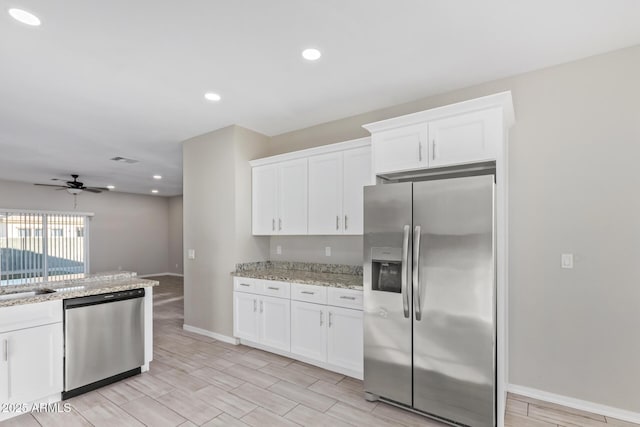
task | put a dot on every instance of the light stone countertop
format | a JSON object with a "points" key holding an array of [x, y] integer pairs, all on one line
{"points": [[95, 284], [334, 280]]}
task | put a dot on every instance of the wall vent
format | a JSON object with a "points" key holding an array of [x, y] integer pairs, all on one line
{"points": [[124, 160]]}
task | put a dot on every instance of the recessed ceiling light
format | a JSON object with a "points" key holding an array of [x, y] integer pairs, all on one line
{"points": [[311, 54], [24, 17], [111, 187], [210, 96], [154, 191], [157, 176]]}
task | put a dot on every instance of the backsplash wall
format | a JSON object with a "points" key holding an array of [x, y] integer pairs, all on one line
{"points": [[344, 249]]}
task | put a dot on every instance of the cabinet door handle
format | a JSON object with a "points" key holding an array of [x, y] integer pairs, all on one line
{"points": [[308, 292], [321, 320], [419, 151], [255, 305], [279, 224], [346, 224], [273, 224], [273, 288], [330, 323], [433, 147], [5, 350], [261, 306], [346, 297], [337, 222]]}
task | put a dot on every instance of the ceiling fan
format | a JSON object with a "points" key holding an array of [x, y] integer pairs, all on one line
{"points": [[75, 187]]}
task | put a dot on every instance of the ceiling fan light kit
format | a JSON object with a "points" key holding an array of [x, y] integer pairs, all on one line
{"points": [[76, 187]]}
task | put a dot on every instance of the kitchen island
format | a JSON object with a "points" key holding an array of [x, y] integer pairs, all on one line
{"points": [[32, 335]]}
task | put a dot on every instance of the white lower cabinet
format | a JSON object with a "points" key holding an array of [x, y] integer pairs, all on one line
{"points": [[309, 330], [275, 321], [303, 323], [245, 316], [345, 338], [262, 319], [32, 363], [31, 353]]}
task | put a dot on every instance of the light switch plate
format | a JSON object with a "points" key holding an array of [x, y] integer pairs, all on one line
{"points": [[279, 250], [327, 250], [191, 254], [566, 261]]}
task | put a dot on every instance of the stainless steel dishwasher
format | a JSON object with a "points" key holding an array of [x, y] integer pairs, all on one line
{"points": [[104, 340]]}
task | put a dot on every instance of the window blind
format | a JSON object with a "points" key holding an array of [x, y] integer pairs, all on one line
{"points": [[37, 247]]}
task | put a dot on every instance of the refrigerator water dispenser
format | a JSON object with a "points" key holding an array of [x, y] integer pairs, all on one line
{"points": [[386, 269]]}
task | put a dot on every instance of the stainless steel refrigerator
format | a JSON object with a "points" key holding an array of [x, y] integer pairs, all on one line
{"points": [[430, 297]]}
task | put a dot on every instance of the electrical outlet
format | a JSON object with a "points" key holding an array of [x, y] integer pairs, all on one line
{"points": [[566, 261], [327, 251], [177, 266], [191, 254], [279, 250]]}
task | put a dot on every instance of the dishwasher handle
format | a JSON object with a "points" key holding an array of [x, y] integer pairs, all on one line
{"points": [[103, 298]]}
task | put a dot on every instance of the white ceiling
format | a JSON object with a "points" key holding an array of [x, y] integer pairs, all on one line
{"points": [[126, 78]]}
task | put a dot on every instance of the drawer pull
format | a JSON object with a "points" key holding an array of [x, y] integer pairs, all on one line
{"points": [[308, 292], [273, 288], [244, 284], [346, 297]]}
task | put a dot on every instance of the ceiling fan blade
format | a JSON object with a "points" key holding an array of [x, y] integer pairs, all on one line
{"points": [[92, 190], [51, 185], [97, 188]]}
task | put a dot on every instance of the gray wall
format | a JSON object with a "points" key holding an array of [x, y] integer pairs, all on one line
{"points": [[574, 181], [344, 249], [217, 222], [128, 230], [175, 264]]}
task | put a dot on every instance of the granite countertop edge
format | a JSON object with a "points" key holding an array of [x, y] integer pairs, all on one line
{"points": [[330, 280], [92, 287]]}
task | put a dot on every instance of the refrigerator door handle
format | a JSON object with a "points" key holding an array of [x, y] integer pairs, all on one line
{"points": [[417, 303], [405, 271]]}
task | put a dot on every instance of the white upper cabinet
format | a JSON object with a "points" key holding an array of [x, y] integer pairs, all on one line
{"points": [[265, 199], [325, 194], [316, 191], [400, 149], [336, 182], [356, 165], [467, 132], [279, 198], [292, 197], [467, 138]]}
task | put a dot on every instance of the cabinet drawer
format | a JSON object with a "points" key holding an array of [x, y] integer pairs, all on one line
{"points": [[30, 315], [348, 298], [273, 288], [309, 293], [243, 284]]}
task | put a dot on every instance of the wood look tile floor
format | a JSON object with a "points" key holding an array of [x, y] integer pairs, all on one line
{"points": [[195, 380]]}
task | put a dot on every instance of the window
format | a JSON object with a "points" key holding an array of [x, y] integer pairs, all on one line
{"points": [[56, 232], [36, 247]]}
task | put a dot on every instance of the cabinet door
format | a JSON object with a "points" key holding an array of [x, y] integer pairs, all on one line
{"points": [[292, 197], [357, 174], [400, 149], [264, 199], [33, 369], [345, 346], [325, 194], [466, 138], [309, 330], [245, 316], [275, 322]]}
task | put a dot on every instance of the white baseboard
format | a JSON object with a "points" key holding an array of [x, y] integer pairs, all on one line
{"points": [[596, 408], [161, 274], [214, 335]]}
